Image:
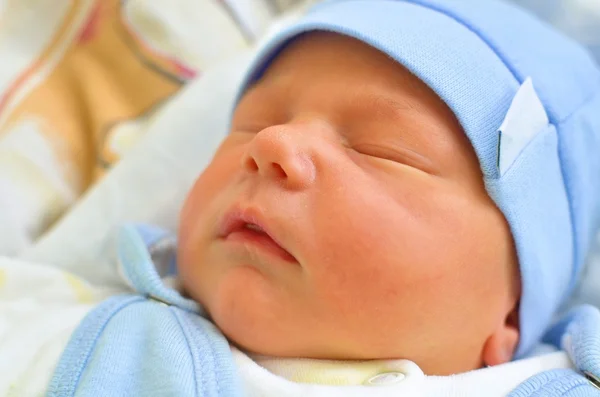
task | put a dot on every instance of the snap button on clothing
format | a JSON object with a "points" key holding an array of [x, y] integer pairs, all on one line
{"points": [[386, 378], [593, 379]]}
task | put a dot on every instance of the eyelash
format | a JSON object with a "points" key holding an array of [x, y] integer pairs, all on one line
{"points": [[393, 155], [379, 152]]}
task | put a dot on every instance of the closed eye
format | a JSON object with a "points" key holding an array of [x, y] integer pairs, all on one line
{"points": [[399, 155]]}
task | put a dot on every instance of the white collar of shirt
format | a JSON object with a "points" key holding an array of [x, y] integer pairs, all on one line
{"points": [[274, 377]]}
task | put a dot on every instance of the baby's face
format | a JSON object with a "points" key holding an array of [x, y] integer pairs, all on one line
{"points": [[345, 217]]}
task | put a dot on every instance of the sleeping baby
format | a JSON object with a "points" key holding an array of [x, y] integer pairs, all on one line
{"points": [[408, 191]]}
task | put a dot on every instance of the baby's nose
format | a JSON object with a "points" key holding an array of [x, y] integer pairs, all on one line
{"points": [[282, 155]]}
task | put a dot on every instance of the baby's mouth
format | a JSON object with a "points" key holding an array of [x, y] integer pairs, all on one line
{"points": [[246, 227]]}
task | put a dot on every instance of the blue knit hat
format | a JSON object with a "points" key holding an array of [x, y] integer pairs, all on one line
{"points": [[528, 99]]}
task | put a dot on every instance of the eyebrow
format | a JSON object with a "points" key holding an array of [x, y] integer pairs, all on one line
{"points": [[385, 104]]}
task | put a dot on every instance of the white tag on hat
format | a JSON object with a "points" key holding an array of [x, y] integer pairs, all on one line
{"points": [[524, 119]]}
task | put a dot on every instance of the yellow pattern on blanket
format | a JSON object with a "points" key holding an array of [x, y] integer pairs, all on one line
{"points": [[81, 81]]}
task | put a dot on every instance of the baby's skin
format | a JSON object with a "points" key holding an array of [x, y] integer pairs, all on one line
{"points": [[345, 217]]}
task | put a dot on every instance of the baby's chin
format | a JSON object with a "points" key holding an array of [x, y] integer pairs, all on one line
{"points": [[246, 308], [254, 332], [270, 329], [258, 334], [260, 317]]}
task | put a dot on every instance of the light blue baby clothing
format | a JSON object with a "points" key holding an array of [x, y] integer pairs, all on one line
{"points": [[151, 343], [155, 342]]}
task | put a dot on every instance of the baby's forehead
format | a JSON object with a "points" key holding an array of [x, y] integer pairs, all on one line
{"points": [[345, 64], [331, 68], [322, 54]]}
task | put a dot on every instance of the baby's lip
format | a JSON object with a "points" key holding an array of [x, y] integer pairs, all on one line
{"points": [[248, 225]]}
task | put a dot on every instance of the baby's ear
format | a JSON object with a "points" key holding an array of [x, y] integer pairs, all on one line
{"points": [[501, 345]]}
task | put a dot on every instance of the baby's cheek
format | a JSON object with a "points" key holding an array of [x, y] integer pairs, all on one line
{"points": [[362, 265], [357, 288], [206, 199], [387, 281]]}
